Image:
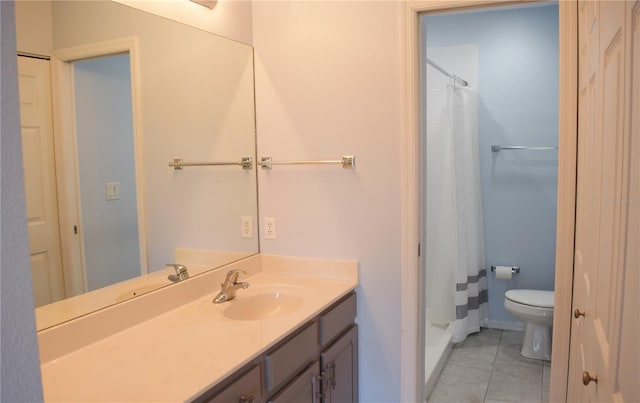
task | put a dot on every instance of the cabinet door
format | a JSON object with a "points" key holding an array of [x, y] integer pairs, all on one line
{"points": [[340, 367], [244, 390], [303, 389], [291, 357]]}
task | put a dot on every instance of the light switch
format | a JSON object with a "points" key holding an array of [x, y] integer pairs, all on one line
{"points": [[113, 191]]}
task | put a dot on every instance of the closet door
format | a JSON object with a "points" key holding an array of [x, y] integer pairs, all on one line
{"points": [[40, 180], [603, 360]]}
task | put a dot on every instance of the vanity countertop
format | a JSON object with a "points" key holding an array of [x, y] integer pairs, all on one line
{"points": [[178, 355]]}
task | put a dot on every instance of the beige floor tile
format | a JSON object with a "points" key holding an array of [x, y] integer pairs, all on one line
{"points": [[516, 381], [461, 385], [488, 367], [475, 356], [483, 338], [546, 377]]}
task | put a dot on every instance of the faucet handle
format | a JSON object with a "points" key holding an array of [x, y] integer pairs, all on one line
{"points": [[179, 268], [232, 275], [181, 272]]}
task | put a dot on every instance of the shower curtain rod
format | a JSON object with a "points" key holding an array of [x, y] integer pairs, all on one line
{"points": [[455, 78]]}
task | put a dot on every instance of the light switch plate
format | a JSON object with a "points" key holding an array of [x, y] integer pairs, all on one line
{"points": [[113, 191]]}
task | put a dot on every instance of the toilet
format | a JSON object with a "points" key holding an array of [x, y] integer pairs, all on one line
{"points": [[535, 309]]}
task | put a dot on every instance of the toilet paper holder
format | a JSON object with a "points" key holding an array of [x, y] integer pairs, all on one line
{"points": [[514, 269]]}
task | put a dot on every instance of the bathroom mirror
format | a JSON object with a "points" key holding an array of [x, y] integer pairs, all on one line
{"points": [[193, 99]]}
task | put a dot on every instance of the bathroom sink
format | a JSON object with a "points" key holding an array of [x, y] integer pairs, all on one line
{"points": [[259, 302], [262, 306]]}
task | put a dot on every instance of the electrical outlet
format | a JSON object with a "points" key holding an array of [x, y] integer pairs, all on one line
{"points": [[269, 228], [247, 226]]}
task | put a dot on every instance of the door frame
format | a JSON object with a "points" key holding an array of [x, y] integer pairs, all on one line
{"points": [[67, 173], [412, 337]]}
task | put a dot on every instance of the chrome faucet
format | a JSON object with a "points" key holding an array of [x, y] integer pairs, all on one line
{"points": [[181, 272], [230, 287]]}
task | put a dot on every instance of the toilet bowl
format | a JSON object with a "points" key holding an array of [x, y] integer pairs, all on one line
{"points": [[535, 309]]}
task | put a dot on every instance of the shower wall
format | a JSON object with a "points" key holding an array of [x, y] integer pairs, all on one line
{"points": [[518, 105]]}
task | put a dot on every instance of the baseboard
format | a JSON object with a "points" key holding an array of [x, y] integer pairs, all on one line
{"points": [[505, 325]]}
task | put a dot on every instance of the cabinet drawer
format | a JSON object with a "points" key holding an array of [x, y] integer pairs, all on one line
{"points": [[286, 359], [245, 389], [333, 322]]}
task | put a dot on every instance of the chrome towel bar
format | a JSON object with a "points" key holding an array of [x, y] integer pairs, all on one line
{"points": [[347, 161], [178, 163], [496, 148]]}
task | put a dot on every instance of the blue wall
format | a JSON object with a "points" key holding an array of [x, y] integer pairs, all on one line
{"points": [[518, 92]]}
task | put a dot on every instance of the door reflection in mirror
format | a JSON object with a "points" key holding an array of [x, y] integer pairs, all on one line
{"points": [[106, 170], [40, 181]]}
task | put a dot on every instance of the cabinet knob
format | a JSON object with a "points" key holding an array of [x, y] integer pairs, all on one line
{"points": [[246, 399], [587, 378], [577, 313]]}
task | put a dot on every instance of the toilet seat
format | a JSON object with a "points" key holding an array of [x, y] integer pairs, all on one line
{"points": [[535, 298]]}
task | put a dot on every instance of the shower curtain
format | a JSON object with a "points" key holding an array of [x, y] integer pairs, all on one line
{"points": [[470, 272]]}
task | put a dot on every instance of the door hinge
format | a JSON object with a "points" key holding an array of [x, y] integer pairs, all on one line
{"points": [[317, 392], [332, 367], [419, 250], [75, 229]]}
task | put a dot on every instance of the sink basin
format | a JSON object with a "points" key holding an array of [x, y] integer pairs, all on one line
{"points": [[259, 302], [262, 306]]}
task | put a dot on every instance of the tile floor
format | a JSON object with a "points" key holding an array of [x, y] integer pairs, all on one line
{"points": [[488, 367]]}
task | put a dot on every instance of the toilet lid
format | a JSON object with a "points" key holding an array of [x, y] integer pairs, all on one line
{"points": [[539, 298]]}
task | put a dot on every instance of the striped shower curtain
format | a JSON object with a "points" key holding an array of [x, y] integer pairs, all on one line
{"points": [[470, 273]]}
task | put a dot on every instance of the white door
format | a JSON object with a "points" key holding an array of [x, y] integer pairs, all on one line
{"points": [[605, 358], [40, 180]]}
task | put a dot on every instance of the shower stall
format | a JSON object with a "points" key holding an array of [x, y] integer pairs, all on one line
{"points": [[455, 278]]}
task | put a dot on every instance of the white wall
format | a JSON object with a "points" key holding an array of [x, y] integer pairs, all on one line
{"points": [[229, 18], [19, 361], [328, 83], [38, 39]]}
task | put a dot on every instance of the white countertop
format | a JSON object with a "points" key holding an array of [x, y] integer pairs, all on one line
{"points": [[178, 355]]}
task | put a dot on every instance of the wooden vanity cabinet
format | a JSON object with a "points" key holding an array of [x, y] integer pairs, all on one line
{"points": [[317, 363], [340, 369]]}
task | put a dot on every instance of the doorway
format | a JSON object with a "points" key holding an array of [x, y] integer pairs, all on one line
{"points": [[106, 169], [508, 59]]}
